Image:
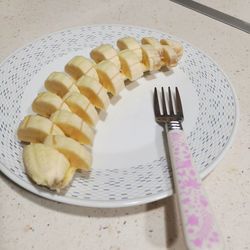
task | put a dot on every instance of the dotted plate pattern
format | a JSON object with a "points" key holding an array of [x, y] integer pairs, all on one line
{"points": [[116, 187]]}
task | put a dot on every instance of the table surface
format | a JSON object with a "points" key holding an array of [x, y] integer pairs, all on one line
{"points": [[30, 222]]}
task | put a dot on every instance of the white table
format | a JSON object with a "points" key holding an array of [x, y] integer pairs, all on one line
{"points": [[30, 222]]}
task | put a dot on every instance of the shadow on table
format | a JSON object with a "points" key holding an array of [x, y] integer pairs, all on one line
{"points": [[168, 226]]}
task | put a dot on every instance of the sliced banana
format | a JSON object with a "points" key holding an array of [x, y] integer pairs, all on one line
{"points": [[150, 57], [34, 128], [47, 103], [110, 77], [79, 66], [105, 52], [68, 177], [132, 44], [73, 126], [60, 83], [175, 45], [71, 101], [154, 42], [78, 155], [80, 105], [47, 167], [169, 56], [131, 66], [94, 91]]}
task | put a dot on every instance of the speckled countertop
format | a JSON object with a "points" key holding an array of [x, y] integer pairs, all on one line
{"points": [[30, 222]]}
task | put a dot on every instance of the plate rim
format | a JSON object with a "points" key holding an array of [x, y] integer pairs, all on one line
{"points": [[127, 202]]}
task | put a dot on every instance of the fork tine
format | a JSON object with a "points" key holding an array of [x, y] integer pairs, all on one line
{"points": [[171, 109], [178, 104], [156, 104], [164, 106]]}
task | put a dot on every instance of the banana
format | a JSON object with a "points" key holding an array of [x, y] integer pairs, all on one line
{"points": [[110, 77], [105, 52], [81, 106], [131, 66], [71, 101], [47, 103], [131, 44], [94, 91], [78, 155], [150, 57], [79, 66], [154, 42], [169, 56], [175, 45], [60, 83], [73, 126], [47, 167], [34, 128]]}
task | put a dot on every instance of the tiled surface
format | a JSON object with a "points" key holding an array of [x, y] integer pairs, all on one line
{"points": [[30, 222]]}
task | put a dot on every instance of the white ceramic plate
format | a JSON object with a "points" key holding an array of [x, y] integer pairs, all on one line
{"points": [[129, 166]]}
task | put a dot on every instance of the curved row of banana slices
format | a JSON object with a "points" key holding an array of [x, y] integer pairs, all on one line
{"points": [[68, 112]]}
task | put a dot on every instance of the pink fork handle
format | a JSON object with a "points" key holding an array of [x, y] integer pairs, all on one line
{"points": [[199, 225]]}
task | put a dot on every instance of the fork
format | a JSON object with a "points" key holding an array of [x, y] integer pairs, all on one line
{"points": [[200, 229]]}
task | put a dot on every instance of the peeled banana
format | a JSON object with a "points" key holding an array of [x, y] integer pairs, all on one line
{"points": [[105, 52], [154, 42], [34, 128], [131, 66], [169, 56], [176, 46], [71, 101], [79, 66], [94, 91], [151, 58], [60, 83], [168, 53], [73, 126], [47, 166], [80, 105], [78, 156], [110, 77], [131, 44], [47, 103]]}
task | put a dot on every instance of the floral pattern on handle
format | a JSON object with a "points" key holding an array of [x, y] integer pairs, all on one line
{"points": [[199, 225]]}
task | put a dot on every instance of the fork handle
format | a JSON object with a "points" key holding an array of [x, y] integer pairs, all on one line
{"points": [[200, 229]]}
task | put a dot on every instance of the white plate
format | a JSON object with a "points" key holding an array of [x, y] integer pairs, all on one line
{"points": [[129, 166]]}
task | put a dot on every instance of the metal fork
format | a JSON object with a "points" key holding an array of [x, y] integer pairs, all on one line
{"points": [[200, 229]]}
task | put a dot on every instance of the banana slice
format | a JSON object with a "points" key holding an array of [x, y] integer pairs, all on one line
{"points": [[154, 42], [73, 126], [79, 66], [110, 77], [105, 52], [60, 83], [169, 56], [94, 91], [47, 167], [78, 155], [130, 64], [151, 58], [175, 45], [81, 106], [132, 44], [47, 103], [34, 128]]}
